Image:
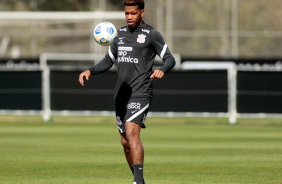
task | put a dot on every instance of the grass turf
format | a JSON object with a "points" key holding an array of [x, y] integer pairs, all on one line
{"points": [[177, 150]]}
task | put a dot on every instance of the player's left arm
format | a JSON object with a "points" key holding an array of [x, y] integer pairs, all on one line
{"points": [[164, 53]]}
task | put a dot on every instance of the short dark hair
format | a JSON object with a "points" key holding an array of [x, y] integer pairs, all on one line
{"points": [[139, 3]]}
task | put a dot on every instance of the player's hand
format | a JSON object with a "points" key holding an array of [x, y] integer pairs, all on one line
{"points": [[157, 74], [85, 74]]}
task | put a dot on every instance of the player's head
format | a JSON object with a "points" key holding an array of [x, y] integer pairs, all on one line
{"points": [[139, 3], [134, 11]]}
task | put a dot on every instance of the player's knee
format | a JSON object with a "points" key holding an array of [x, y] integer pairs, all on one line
{"points": [[125, 144], [133, 141]]}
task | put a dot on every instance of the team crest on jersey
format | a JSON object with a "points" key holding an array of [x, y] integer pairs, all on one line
{"points": [[141, 38]]}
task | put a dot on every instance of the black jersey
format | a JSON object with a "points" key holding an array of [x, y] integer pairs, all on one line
{"points": [[135, 52]]}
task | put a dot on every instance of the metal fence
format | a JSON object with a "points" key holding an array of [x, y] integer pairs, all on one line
{"points": [[192, 28]]}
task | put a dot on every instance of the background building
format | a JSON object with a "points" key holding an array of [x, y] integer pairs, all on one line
{"points": [[192, 28]]}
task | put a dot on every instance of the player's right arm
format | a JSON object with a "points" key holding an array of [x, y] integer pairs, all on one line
{"points": [[105, 64], [86, 74]]}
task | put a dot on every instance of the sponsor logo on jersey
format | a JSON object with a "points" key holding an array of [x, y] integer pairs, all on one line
{"points": [[122, 55], [121, 40], [125, 48], [127, 60], [141, 38], [146, 30]]}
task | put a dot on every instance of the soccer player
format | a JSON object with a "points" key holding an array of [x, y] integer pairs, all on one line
{"points": [[134, 51]]}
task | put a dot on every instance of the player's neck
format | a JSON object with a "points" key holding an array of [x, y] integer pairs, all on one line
{"points": [[135, 27]]}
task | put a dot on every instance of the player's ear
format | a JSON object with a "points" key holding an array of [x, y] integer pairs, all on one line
{"points": [[142, 12]]}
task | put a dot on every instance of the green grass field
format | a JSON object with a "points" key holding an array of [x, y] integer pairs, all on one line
{"points": [[76, 150]]}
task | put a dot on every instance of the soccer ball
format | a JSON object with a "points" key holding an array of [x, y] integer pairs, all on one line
{"points": [[105, 33]]}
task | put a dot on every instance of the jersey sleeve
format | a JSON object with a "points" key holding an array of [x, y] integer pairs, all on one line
{"points": [[107, 62], [162, 51]]}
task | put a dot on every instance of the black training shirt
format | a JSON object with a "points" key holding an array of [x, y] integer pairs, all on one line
{"points": [[134, 52]]}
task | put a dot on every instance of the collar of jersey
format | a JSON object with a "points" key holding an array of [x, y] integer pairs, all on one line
{"points": [[142, 25]]}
